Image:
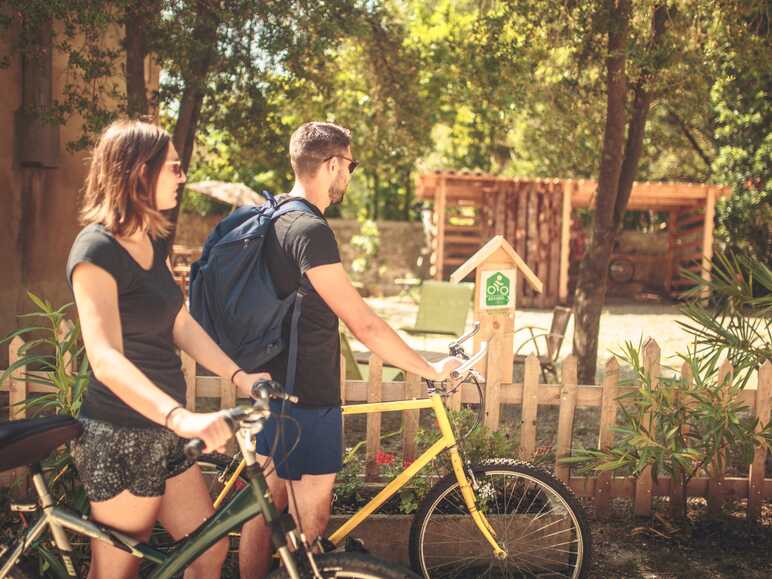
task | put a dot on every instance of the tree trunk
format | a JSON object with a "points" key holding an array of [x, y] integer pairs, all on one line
{"points": [[139, 18], [195, 78], [593, 273], [615, 185]]}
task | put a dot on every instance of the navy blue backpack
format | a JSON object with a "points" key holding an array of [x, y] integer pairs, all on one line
{"points": [[232, 294]]}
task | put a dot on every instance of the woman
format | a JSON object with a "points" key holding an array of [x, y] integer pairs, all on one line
{"points": [[130, 457]]}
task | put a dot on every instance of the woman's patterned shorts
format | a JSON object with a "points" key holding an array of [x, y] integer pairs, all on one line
{"points": [[111, 459]]}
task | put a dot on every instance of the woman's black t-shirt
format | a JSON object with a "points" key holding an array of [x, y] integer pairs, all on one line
{"points": [[148, 303]]}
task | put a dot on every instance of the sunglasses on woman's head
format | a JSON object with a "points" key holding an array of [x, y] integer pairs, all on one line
{"points": [[352, 164]]}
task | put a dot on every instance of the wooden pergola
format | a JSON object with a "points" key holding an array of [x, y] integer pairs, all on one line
{"points": [[534, 215]]}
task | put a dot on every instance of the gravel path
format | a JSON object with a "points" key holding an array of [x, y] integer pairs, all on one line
{"points": [[619, 323]]}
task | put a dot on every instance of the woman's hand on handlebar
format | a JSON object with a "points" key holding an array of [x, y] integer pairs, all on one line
{"points": [[244, 382], [210, 427], [444, 367]]}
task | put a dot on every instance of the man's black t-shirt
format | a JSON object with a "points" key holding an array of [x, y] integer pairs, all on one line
{"points": [[298, 242], [148, 303]]}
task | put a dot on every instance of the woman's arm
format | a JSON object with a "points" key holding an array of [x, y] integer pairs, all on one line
{"points": [[96, 296], [191, 337]]}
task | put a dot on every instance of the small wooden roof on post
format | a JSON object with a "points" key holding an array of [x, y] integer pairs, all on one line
{"points": [[495, 265]]}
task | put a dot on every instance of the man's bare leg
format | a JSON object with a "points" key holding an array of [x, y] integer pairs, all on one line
{"points": [[255, 546], [313, 495]]}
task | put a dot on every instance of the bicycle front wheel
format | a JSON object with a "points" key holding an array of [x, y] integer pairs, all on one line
{"points": [[537, 520], [351, 566]]}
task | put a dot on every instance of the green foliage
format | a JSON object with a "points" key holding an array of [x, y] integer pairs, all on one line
{"points": [[58, 356], [738, 321], [698, 422], [365, 267]]}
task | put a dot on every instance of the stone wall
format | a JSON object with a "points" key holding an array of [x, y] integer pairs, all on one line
{"points": [[400, 246]]}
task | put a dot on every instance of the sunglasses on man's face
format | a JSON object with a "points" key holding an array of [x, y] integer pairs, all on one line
{"points": [[352, 164]]}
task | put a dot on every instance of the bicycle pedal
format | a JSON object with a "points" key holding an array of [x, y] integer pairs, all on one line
{"points": [[25, 507], [355, 545]]}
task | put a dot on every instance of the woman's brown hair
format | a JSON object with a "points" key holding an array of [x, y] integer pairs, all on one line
{"points": [[121, 182]]}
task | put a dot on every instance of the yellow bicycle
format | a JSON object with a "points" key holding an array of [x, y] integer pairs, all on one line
{"points": [[499, 518]]}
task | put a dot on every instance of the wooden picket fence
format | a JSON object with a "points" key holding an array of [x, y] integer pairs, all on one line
{"points": [[530, 395]]}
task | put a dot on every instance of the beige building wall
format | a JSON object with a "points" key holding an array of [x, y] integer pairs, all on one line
{"points": [[39, 206]]}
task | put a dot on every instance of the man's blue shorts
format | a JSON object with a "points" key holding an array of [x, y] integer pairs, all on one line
{"points": [[320, 448]]}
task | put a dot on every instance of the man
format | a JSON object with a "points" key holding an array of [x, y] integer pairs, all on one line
{"points": [[302, 252]]}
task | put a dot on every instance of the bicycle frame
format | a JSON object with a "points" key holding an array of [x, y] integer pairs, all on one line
{"points": [[249, 502], [446, 442]]}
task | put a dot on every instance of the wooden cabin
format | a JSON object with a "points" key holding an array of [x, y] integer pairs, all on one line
{"points": [[535, 216]]}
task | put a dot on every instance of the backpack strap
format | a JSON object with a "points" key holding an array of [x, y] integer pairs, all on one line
{"points": [[297, 307], [289, 206]]}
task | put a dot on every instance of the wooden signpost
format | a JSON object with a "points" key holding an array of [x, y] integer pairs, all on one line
{"points": [[497, 265]]}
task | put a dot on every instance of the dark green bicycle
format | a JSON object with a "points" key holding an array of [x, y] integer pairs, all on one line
{"points": [[28, 442]]}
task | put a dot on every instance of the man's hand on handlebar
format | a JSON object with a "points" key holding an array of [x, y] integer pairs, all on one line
{"points": [[245, 381], [444, 367]]}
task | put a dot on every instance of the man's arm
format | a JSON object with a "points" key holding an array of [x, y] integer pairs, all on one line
{"points": [[333, 284]]}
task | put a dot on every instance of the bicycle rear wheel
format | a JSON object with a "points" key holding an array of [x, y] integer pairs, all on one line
{"points": [[537, 520], [352, 566]]}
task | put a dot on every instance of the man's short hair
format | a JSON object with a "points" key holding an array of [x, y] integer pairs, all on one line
{"points": [[314, 142]]}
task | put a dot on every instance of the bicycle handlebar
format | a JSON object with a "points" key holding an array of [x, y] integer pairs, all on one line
{"points": [[457, 344], [470, 363], [261, 392]]}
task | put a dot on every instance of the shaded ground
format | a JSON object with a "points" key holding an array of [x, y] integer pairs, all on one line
{"points": [[724, 548]]}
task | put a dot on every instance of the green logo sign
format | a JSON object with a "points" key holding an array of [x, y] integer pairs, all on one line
{"points": [[497, 290]]}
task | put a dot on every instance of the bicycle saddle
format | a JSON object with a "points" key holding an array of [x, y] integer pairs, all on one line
{"points": [[25, 442]]}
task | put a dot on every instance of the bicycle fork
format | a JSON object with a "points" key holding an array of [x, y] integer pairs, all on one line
{"points": [[466, 489]]}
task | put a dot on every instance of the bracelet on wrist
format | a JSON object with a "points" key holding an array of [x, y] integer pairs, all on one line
{"points": [[233, 376], [169, 414]]}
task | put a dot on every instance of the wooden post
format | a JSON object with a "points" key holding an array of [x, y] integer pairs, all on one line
{"points": [[566, 417], [717, 482], [565, 239], [374, 394], [530, 408], [677, 488], [410, 418], [189, 372], [644, 485], [672, 227], [440, 203], [707, 237], [496, 265], [343, 388], [65, 326], [756, 475], [608, 418], [17, 391]]}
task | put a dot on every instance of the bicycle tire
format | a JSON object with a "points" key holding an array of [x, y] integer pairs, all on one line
{"points": [[503, 487], [351, 566]]}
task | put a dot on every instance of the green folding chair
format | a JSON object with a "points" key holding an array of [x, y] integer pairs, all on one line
{"points": [[443, 308]]}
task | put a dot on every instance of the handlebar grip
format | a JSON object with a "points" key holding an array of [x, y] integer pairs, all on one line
{"points": [[194, 448], [272, 389], [470, 363]]}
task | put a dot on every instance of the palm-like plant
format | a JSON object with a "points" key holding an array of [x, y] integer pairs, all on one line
{"points": [[737, 323], [53, 348]]}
